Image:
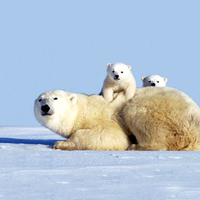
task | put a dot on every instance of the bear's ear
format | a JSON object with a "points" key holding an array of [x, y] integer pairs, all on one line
{"points": [[129, 66], [73, 98], [109, 64], [143, 78], [165, 80]]}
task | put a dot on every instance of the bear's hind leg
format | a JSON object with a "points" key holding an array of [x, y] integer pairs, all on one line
{"points": [[147, 147]]}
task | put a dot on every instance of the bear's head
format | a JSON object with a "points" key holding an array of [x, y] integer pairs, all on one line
{"points": [[118, 71], [55, 110], [154, 80]]}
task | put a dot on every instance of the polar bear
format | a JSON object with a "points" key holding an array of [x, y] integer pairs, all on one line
{"points": [[163, 119], [154, 80], [160, 119], [89, 122], [119, 78]]}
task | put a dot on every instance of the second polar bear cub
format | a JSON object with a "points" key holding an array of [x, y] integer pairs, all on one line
{"points": [[119, 78], [154, 80]]}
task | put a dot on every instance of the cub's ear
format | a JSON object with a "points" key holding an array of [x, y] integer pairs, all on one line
{"points": [[129, 66], [165, 80], [143, 78], [73, 98], [109, 64]]}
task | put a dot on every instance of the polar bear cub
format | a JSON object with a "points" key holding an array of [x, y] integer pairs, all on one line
{"points": [[119, 78], [154, 80]]}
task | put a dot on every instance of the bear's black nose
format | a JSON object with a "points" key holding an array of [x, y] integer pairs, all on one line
{"points": [[45, 108], [116, 76], [153, 84]]}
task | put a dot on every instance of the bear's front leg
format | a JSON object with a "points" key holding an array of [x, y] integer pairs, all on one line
{"points": [[65, 145], [108, 94], [129, 93]]}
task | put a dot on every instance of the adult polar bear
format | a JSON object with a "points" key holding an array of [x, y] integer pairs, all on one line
{"points": [[160, 119]]}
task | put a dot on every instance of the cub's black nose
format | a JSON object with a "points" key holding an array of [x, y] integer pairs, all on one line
{"points": [[116, 76], [45, 108], [153, 84]]}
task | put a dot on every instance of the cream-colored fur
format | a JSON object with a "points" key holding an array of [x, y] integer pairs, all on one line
{"points": [[89, 122], [163, 119], [119, 78], [160, 118]]}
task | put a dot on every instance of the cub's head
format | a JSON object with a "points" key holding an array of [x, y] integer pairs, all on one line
{"points": [[118, 71], [154, 80], [54, 110]]}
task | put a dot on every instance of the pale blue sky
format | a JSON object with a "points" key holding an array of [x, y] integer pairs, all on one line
{"points": [[46, 45]]}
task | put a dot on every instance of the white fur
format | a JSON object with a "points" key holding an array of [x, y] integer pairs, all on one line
{"points": [[154, 80], [119, 78]]}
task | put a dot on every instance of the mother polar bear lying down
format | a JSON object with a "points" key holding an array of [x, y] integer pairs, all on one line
{"points": [[159, 118]]}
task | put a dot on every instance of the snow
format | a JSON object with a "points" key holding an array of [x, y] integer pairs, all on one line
{"points": [[30, 169]]}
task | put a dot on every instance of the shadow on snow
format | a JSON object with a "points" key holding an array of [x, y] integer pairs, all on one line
{"points": [[27, 141]]}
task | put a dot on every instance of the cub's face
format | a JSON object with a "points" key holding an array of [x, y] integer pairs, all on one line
{"points": [[52, 108], [118, 71], [154, 80]]}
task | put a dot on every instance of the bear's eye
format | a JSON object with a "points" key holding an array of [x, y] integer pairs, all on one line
{"points": [[40, 99], [122, 72], [157, 81], [113, 71], [55, 98], [149, 81]]}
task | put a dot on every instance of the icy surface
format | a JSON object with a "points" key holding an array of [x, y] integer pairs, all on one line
{"points": [[30, 169]]}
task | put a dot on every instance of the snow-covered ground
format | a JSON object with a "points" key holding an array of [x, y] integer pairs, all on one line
{"points": [[30, 169]]}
